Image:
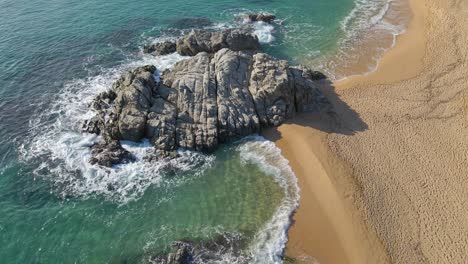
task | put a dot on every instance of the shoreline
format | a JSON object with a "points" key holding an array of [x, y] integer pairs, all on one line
{"points": [[361, 53], [383, 177], [331, 225]]}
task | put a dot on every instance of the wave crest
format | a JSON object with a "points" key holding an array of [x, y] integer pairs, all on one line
{"points": [[62, 153]]}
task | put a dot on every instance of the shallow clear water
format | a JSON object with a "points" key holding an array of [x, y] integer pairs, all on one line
{"points": [[55, 56]]}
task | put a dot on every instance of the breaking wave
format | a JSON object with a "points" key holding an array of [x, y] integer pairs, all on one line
{"points": [[370, 30], [264, 32], [60, 154], [271, 239]]}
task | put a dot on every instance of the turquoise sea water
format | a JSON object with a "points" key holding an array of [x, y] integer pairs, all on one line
{"points": [[56, 55]]}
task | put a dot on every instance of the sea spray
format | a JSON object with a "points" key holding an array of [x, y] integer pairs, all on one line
{"points": [[63, 155], [65, 152], [270, 241], [264, 31]]}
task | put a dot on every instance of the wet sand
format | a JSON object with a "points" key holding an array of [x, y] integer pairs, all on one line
{"points": [[384, 176]]}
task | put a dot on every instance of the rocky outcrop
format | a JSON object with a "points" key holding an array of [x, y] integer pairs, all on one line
{"points": [[162, 48], [261, 17], [203, 101], [237, 115], [194, 117], [206, 41], [211, 42]]}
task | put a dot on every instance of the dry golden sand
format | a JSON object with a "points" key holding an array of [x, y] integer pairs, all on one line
{"points": [[384, 178]]}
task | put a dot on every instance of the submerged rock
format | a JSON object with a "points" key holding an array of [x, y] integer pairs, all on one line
{"points": [[182, 253], [216, 96], [261, 17], [211, 251]]}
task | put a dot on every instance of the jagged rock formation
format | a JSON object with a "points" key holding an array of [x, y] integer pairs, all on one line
{"points": [[208, 99], [205, 41], [211, 42]]}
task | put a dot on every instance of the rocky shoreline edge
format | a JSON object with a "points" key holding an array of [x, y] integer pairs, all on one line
{"points": [[225, 90]]}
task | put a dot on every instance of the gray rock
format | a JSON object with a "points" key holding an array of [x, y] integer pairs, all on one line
{"points": [[196, 120], [261, 17], [181, 253], [133, 102], [162, 48], [109, 153], [272, 90], [237, 115], [93, 125], [205, 100], [211, 42]]}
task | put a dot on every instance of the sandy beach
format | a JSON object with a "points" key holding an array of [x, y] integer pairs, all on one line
{"points": [[383, 176]]}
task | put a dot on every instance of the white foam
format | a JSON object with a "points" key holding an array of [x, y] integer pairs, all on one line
{"points": [[367, 15], [270, 241], [370, 21], [264, 32], [64, 152]]}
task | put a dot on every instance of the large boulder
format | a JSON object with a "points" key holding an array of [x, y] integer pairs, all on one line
{"points": [[131, 106], [205, 41], [202, 101], [272, 89], [197, 116], [237, 114]]}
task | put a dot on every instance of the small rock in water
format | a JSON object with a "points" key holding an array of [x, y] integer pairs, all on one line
{"points": [[268, 18], [162, 48], [92, 125], [110, 153], [181, 253]]}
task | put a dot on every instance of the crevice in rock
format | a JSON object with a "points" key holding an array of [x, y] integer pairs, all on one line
{"points": [[216, 100], [249, 79]]}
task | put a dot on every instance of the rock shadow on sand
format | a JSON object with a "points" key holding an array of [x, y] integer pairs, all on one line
{"points": [[334, 116]]}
